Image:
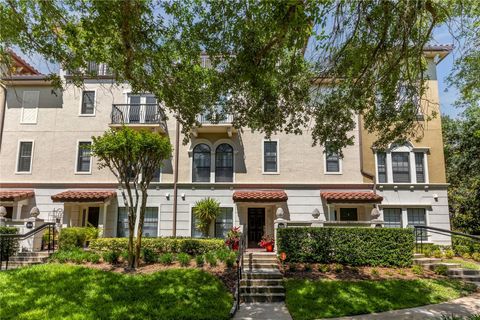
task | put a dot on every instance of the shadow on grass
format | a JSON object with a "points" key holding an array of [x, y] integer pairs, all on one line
{"points": [[69, 292], [308, 299]]}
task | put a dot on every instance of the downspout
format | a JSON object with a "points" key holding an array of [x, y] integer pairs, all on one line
{"points": [[3, 108], [360, 142], [175, 177]]}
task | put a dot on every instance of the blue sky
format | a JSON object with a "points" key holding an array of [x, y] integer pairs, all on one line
{"points": [[448, 94]]}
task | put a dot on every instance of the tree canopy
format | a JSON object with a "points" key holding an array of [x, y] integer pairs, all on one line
{"points": [[268, 57]]}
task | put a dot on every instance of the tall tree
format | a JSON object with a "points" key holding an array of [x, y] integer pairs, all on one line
{"points": [[264, 57], [133, 157]]}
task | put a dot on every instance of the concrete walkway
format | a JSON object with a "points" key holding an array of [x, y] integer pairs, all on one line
{"points": [[263, 311], [460, 307]]}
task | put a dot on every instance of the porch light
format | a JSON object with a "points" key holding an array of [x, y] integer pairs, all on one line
{"points": [[3, 211], [34, 212], [167, 195], [315, 213]]}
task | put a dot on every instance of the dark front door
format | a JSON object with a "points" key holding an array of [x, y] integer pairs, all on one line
{"points": [[256, 226], [93, 215]]}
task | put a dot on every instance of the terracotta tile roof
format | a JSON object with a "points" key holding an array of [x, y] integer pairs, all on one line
{"points": [[15, 195], [260, 196], [351, 197], [83, 195]]}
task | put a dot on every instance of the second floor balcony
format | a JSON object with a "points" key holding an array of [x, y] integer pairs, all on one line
{"points": [[146, 115], [214, 123]]}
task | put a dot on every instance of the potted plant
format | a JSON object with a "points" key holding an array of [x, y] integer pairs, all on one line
{"points": [[267, 242], [233, 238], [206, 211]]}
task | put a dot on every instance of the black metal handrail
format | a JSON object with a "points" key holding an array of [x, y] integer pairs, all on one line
{"points": [[421, 234], [137, 113], [240, 252], [51, 226]]}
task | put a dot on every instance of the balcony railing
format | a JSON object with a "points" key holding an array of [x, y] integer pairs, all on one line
{"points": [[215, 118], [93, 69], [146, 113]]}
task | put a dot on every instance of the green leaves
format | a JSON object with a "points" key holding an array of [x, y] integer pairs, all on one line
{"points": [[206, 211]]}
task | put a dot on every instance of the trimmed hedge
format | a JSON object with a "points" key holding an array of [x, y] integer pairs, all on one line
{"points": [[191, 246], [8, 246], [76, 237], [351, 246]]}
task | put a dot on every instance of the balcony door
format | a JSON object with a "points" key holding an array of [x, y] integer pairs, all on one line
{"points": [[142, 108]]}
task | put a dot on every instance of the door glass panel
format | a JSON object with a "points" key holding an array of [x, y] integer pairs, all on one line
{"points": [[348, 214]]}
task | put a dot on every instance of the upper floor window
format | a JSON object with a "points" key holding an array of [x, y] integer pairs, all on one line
{"points": [[25, 155], [420, 167], [224, 163], [382, 167], [400, 167], [88, 103], [332, 160], [84, 159], [30, 107], [201, 163], [270, 156]]}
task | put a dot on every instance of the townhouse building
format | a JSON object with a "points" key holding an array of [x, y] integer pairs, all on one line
{"points": [[259, 182]]}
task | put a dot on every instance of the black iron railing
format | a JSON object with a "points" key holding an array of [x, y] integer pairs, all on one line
{"points": [[215, 118], [142, 113], [240, 252], [8, 241], [422, 234]]}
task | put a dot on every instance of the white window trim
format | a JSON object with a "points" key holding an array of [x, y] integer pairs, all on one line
{"points": [[76, 159], [18, 157], [212, 160], [36, 108], [278, 156], [80, 114], [340, 165], [412, 168]]}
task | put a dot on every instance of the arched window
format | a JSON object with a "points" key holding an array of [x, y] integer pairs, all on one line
{"points": [[201, 163], [224, 163]]}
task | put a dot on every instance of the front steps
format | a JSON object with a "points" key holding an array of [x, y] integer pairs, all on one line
{"points": [[454, 269], [261, 280], [23, 259]]}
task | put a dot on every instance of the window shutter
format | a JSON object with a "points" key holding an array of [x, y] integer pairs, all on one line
{"points": [[30, 106]]}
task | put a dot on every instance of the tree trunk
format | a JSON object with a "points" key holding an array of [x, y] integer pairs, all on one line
{"points": [[138, 244]]}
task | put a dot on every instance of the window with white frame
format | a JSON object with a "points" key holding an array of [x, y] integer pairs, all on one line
{"points": [[122, 223], [84, 158], [201, 163], [270, 156], [150, 224], [417, 217], [382, 167], [392, 217], [223, 222], [25, 153], [224, 163], [402, 164], [30, 103], [332, 159], [88, 103], [420, 167]]}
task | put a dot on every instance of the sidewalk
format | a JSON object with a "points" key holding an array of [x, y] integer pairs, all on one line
{"points": [[263, 311], [460, 307]]}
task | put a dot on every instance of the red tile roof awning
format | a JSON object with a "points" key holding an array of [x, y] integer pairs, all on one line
{"points": [[83, 195], [351, 197], [15, 195], [260, 196]]}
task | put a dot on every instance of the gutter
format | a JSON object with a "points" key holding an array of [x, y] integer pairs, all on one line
{"points": [[175, 178]]}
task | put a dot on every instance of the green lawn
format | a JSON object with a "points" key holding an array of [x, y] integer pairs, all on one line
{"points": [[464, 264], [332, 298], [55, 291]]}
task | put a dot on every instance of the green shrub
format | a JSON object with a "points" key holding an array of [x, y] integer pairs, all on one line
{"points": [[124, 255], [166, 258], [375, 272], [200, 260], [184, 259], [211, 259], [8, 246], [111, 256], [307, 267], [190, 246], [75, 255], [476, 256], [338, 268], [463, 245], [292, 267], [223, 254], [441, 270], [418, 269], [231, 260], [438, 254], [76, 237], [323, 268], [449, 254], [148, 255], [351, 246], [466, 255]]}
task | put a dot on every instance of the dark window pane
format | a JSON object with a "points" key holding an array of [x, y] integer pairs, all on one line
{"points": [[417, 217], [401, 166], [196, 233], [201, 163], [83, 160], [382, 167], [224, 222], [122, 223], [25, 156], [348, 214], [150, 224], [88, 102], [392, 217], [419, 167], [270, 156], [224, 163], [332, 159]]}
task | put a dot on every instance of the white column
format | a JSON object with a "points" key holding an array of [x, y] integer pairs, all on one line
{"points": [[388, 164], [404, 217], [425, 167], [212, 165], [413, 171]]}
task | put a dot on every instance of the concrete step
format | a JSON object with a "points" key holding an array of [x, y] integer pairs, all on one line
{"points": [[260, 266], [261, 282], [27, 259], [262, 289], [260, 253], [426, 260], [19, 263], [36, 254], [418, 255], [260, 297], [262, 274], [461, 272], [259, 260], [431, 266], [468, 278]]}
